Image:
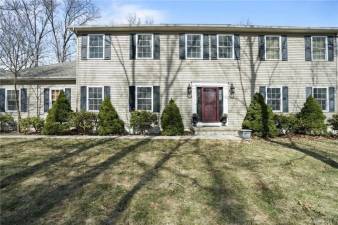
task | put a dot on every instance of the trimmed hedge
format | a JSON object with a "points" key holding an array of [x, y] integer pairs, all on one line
{"points": [[31, 122], [142, 121], [109, 122], [84, 122], [333, 122], [259, 118], [171, 120]]}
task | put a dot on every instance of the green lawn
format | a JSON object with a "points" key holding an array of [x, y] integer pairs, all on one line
{"points": [[63, 181]]}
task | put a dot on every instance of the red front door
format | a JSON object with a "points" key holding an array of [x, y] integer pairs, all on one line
{"points": [[209, 104]]}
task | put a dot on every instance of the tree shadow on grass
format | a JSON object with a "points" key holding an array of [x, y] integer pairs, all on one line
{"points": [[225, 200], [10, 144], [314, 153], [21, 175], [29, 212], [149, 175]]}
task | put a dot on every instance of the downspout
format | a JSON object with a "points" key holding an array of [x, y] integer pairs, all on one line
{"points": [[336, 108], [76, 68]]}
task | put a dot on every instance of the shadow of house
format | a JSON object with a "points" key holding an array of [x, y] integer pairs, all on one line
{"points": [[149, 175], [18, 177], [29, 212], [309, 152]]}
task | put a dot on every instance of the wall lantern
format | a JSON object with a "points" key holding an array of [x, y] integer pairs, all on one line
{"points": [[232, 90], [189, 91]]}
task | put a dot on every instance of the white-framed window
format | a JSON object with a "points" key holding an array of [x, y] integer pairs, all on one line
{"points": [[144, 98], [274, 98], [11, 100], [194, 46], [322, 96], [225, 46], [54, 94], [273, 47], [144, 46], [95, 98], [95, 46], [319, 48]]}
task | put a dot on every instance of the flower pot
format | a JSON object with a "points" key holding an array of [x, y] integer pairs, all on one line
{"points": [[245, 134]]}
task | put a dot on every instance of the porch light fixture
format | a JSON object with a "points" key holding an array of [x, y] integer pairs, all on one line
{"points": [[189, 90], [232, 90]]}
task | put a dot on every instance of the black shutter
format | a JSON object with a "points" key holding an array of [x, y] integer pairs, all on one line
{"points": [[308, 92], [107, 47], [107, 92], [68, 94], [84, 41], [156, 99], [213, 44], [262, 91], [205, 47], [284, 48], [237, 46], [132, 46], [285, 99], [261, 47], [332, 99], [83, 98], [2, 99], [157, 46], [23, 100], [46, 99], [307, 42], [199, 103], [330, 46], [131, 98], [182, 46]]}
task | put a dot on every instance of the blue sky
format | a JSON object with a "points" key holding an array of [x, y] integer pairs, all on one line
{"points": [[263, 12]]}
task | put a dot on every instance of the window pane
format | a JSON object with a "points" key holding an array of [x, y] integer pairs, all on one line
{"points": [[272, 47], [95, 46], [94, 98], [55, 95], [274, 98], [320, 94], [318, 48], [144, 46], [144, 98], [194, 44], [225, 46], [11, 100]]}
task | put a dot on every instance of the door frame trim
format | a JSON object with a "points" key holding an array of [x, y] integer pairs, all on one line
{"points": [[194, 86]]}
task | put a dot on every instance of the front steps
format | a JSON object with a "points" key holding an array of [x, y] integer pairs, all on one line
{"points": [[216, 132]]}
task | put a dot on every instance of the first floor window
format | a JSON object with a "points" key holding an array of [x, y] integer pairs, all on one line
{"points": [[194, 46], [55, 94], [95, 46], [320, 94], [144, 98], [274, 98], [95, 97], [225, 46], [144, 46], [272, 47], [319, 48], [11, 100]]}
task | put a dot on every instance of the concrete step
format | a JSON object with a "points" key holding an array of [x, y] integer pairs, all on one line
{"points": [[215, 131]]}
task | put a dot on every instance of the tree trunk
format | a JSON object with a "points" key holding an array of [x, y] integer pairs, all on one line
{"points": [[17, 102]]}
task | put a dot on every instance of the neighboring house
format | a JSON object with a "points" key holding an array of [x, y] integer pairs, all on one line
{"points": [[38, 88], [211, 71]]}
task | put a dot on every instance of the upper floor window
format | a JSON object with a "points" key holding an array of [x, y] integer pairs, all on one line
{"points": [[274, 98], [95, 46], [319, 47], [11, 100], [272, 47], [225, 46], [194, 46], [95, 98], [144, 98], [144, 47], [321, 95]]}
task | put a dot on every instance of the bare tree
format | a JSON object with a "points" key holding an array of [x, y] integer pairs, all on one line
{"points": [[63, 14], [16, 49], [31, 13], [134, 20]]}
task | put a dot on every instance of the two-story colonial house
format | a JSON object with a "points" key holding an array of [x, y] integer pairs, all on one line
{"points": [[211, 71]]}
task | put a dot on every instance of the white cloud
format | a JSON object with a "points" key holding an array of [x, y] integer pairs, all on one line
{"points": [[118, 13]]}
